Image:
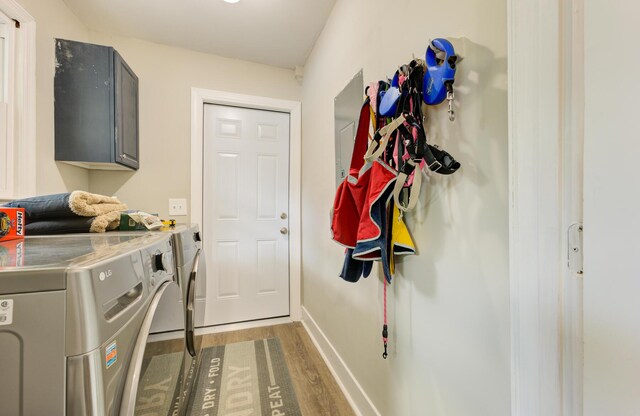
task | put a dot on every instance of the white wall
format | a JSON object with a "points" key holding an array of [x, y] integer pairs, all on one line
{"points": [[449, 306], [166, 75], [53, 20], [611, 209]]}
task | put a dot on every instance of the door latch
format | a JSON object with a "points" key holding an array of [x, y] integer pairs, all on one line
{"points": [[575, 258]]}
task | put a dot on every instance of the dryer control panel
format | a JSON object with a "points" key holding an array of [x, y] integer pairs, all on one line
{"points": [[158, 263]]}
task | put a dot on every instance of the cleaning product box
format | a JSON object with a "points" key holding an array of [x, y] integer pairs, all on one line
{"points": [[138, 221], [11, 223], [129, 224]]}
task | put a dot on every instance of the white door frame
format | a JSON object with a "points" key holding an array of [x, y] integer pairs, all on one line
{"points": [[200, 97], [545, 154]]}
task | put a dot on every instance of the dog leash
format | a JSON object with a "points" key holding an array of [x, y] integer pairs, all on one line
{"points": [[385, 332]]}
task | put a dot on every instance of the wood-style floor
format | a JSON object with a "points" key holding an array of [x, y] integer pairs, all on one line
{"points": [[317, 391]]}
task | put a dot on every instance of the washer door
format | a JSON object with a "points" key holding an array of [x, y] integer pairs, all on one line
{"points": [[155, 380]]}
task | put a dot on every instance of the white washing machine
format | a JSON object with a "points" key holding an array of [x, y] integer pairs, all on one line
{"points": [[73, 320]]}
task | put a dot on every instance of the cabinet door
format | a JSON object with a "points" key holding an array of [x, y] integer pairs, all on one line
{"points": [[126, 112], [84, 119]]}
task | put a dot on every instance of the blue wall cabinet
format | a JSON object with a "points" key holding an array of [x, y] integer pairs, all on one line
{"points": [[96, 108]]}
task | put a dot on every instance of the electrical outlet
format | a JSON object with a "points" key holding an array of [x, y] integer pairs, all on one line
{"points": [[177, 207]]}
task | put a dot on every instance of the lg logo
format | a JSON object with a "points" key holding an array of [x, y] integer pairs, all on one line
{"points": [[104, 275]]}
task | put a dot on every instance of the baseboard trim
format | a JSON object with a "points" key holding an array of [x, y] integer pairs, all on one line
{"points": [[352, 390], [242, 325], [165, 336]]}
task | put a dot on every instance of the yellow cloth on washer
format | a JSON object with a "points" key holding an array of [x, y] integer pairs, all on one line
{"points": [[401, 241]]}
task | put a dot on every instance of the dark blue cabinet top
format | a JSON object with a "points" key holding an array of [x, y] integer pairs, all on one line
{"points": [[96, 107]]}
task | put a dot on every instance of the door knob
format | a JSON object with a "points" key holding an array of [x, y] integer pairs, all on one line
{"points": [[283, 216], [283, 230]]}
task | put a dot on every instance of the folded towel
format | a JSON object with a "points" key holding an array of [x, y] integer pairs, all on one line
{"points": [[86, 204], [63, 213], [44, 207], [99, 224], [105, 222], [60, 226]]}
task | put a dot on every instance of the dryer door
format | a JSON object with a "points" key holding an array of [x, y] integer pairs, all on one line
{"points": [[155, 380]]}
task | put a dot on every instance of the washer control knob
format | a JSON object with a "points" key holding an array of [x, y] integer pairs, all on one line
{"points": [[162, 262]]}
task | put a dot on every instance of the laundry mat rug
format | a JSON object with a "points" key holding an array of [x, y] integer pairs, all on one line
{"points": [[242, 379], [246, 378]]}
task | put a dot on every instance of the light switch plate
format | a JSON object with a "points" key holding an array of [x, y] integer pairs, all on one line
{"points": [[177, 206]]}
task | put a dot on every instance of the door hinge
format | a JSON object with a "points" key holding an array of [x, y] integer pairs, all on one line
{"points": [[575, 257]]}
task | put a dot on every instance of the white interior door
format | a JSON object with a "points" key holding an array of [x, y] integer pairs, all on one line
{"points": [[612, 209], [245, 213]]}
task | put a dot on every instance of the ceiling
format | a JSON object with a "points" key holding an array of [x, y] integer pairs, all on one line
{"points": [[273, 32]]}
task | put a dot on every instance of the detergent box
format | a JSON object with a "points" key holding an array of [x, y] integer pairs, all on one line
{"points": [[11, 223], [138, 221]]}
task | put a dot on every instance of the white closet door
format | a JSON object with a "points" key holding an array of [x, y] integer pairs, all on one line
{"points": [[245, 207]]}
